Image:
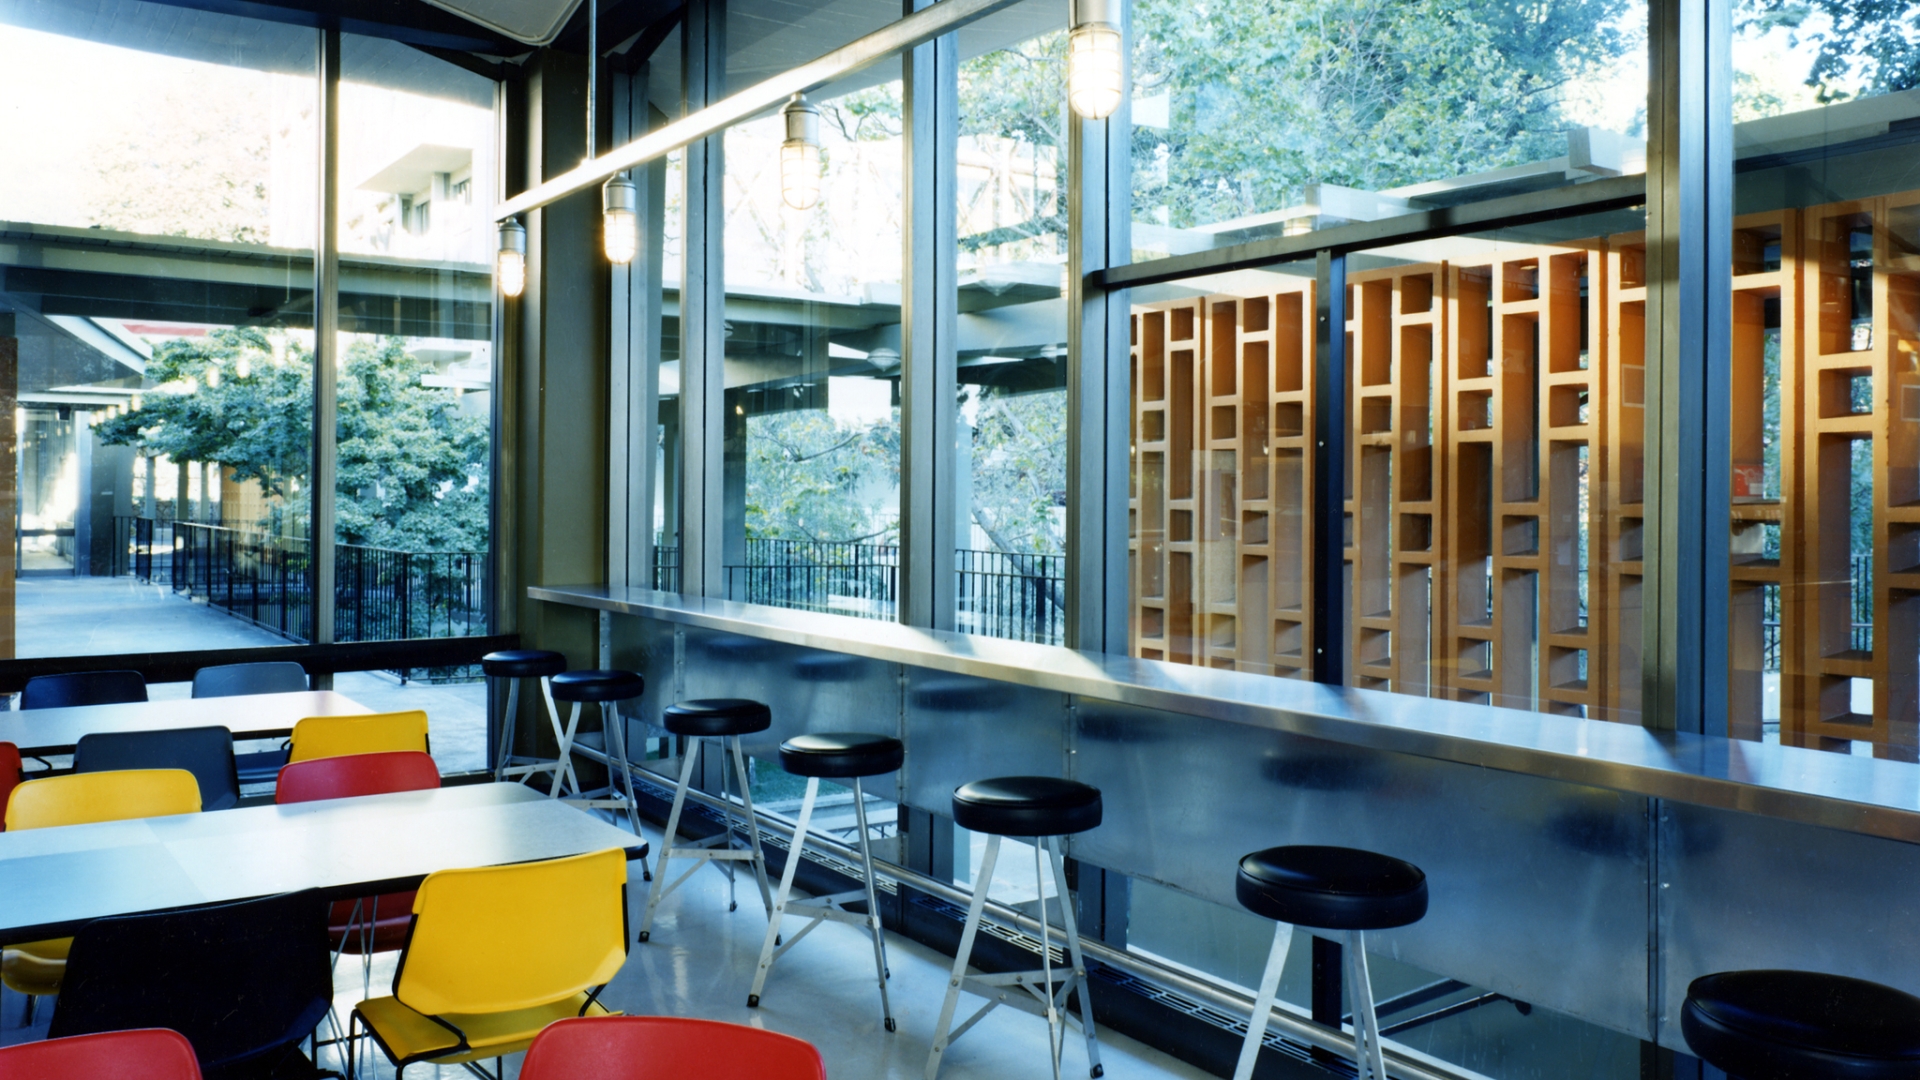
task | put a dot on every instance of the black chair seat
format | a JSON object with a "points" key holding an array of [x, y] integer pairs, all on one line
{"points": [[716, 717], [1797, 1025], [1027, 806], [523, 664], [841, 753], [1332, 888], [597, 686]]}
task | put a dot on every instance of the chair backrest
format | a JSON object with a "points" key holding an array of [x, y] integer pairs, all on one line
{"points": [[80, 798], [206, 752], [266, 677], [10, 776], [356, 774], [140, 1054], [666, 1048], [563, 920], [244, 982], [368, 733], [83, 688]]}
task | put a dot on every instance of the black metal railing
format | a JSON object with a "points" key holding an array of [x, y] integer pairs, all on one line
{"points": [[1012, 595], [1860, 604], [862, 580], [380, 594]]}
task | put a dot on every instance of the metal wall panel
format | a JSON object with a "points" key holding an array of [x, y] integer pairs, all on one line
{"points": [[959, 728], [1740, 891], [1539, 888]]}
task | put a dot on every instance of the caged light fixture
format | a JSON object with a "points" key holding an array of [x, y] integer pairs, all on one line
{"points": [[800, 154], [1096, 63], [510, 268], [619, 221]]}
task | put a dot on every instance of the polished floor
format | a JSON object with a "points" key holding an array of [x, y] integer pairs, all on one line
{"points": [[700, 963]]}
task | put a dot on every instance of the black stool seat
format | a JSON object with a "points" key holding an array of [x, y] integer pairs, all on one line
{"points": [[1797, 1025], [597, 686], [1027, 806], [1332, 888], [522, 664], [841, 753], [716, 717]]}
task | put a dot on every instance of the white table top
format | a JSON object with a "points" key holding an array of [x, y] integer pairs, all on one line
{"points": [[248, 716], [59, 878]]}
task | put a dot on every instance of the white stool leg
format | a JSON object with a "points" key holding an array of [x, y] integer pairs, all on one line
{"points": [[667, 839], [753, 827], [873, 903], [506, 730], [1072, 922], [1263, 1002], [786, 890], [614, 726], [961, 955], [1056, 1039], [1366, 1025]]}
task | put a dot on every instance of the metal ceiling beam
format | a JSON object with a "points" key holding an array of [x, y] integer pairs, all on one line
{"points": [[916, 29]]}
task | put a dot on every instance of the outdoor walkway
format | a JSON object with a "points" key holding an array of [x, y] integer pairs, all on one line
{"points": [[89, 616]]}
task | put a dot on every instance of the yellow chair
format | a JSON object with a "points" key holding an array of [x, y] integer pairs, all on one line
{"points": [[370, 733], [459, 997], [35, 968]]}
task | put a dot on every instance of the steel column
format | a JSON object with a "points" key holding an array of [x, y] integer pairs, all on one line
{"points": [[1329, 602], [326, 343], [1099, 442], [929, 520], [703, 66]]}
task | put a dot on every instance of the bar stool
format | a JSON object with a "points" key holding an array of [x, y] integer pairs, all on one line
{"points": [[1802, 1025], [836, 755], [1045, 809], [605, 688], [725, 719], [516, 666], [1327, 888]]}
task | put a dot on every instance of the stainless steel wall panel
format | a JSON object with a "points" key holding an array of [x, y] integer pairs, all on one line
{"points": [[960, 728], [1539, 888], [1740, 891]]}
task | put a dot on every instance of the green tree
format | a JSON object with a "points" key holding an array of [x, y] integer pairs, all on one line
{"points": [[811, 477], [1861, 47], [412, 469], [1020, 470]]}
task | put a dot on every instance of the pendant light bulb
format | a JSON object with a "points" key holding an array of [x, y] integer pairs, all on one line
{"points": [[1096, 65], [800, 154], [620, 222], [510, 269]]}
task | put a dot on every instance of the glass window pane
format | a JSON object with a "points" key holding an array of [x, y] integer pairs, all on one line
{"points": [[812, 407], [1253, 119], [158, 289], [415, 371], [1012, 214], [1825, 397]]}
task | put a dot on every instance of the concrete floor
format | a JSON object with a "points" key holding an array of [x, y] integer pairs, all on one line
{"points": [[700, 962], [88, 616]]}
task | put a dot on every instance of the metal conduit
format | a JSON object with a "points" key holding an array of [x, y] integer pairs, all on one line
{"points": [[1287, 1020]]}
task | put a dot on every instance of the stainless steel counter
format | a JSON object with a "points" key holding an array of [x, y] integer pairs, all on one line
{"points": [[1856, 794], [1589, 867]]}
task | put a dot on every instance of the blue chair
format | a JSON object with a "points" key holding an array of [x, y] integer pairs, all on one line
{"points": [[233, 680], [83, 688], [245, 982], [206, 752]]}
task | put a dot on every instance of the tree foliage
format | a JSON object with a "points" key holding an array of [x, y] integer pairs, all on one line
{"points": [[412, 469], [811, 477], [193, 160], [1861, 47]]}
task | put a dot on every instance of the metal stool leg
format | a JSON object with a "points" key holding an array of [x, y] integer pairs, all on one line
{"points": [[942, 1038], [1366, 1024], [1056, 1039], [753, 827], [1072, 923], [873, 904], [666, 841], [615, 727], [1263, 1002], [506, 730], [767, 953]]}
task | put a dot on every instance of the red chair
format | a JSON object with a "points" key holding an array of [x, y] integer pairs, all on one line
{"points": [[384, 928], [9, 776], [139, 1054], [666, 1048]]}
